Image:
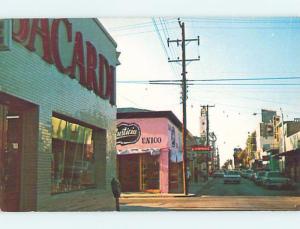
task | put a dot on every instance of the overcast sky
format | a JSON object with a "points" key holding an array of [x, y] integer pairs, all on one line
{"points": [[229, 48]]}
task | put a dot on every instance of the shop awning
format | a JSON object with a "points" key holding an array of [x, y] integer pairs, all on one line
{"points": [[152, 151], [290, 152]]}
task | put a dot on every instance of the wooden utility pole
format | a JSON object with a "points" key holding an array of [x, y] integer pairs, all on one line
{"points": [[184, 97]]}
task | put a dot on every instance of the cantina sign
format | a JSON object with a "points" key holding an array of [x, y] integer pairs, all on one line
{"points": [[128, 133], [95, 73]]}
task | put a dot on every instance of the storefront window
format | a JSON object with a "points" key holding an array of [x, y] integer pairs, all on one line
{"points": [[73, 156]]}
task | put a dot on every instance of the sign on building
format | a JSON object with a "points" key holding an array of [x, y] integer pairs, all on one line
{"points": [[203, 122]]}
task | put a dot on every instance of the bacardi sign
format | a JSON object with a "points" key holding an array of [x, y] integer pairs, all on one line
{"points": [[94, 71]]}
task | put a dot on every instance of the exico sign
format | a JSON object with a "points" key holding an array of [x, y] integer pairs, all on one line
{"points": [[94, 71]]}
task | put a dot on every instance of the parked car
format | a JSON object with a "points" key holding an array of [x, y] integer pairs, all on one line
{"points": [[276, 179], [258, 176], [248, 174], [218, 174], [232, 176]]}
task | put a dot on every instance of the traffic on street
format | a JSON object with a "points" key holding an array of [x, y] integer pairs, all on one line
{"points": [[217, 195]]}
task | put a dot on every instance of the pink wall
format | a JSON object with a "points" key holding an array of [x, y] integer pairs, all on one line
{"points": [[150, 128], [164, 171]]}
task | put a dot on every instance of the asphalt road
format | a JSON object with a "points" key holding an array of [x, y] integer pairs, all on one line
{"points": [[216, 187], [215, 196]]}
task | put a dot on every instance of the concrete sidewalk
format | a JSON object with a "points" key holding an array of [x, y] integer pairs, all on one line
{"points": [[194, 189], [153, 195]]}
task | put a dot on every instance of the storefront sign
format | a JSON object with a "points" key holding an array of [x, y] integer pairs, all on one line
{"points": [[201, 148], [128, 133], [89, 67], [151, 140], [142, 134]]}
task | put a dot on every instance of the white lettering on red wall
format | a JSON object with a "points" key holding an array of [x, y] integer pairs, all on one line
{"points": [[102, 82]]}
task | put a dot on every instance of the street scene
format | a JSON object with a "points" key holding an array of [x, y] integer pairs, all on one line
{"points": [[150, 114]]}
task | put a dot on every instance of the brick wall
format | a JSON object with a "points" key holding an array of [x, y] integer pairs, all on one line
{"points": [[26, 75]]}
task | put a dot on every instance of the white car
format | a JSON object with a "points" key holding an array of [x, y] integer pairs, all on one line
{"points": [[277, 180], [232, 176]]}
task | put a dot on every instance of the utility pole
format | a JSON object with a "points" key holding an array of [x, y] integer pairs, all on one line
{"points": [[206, 107], [184, 97]]}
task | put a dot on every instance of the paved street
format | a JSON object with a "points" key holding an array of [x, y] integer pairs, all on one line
{"points": [[214, 195], [216, 187]]}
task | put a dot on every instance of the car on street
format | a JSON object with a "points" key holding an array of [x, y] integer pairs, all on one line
{"points": [[258, 176], [248, 174], [274, 179], [218, 174], [232, 176]]}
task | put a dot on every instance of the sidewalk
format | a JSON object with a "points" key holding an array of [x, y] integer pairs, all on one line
{"points": [[194, 189], [153, 195]]}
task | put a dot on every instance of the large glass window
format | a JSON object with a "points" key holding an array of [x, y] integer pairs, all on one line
{"points": [[73, 159]]}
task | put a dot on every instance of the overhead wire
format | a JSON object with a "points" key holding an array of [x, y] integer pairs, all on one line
{"points": [[167, 35], [214, 80], [163, 45]]}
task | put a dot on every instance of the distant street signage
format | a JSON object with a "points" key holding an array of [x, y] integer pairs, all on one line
{"points": [[201, 148]]}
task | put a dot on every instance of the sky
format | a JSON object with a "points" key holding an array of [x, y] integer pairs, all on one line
{"points": [[230, 48]]}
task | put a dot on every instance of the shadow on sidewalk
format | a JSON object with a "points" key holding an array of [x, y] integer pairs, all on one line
{"points": [[130, 208], [196, 188]]}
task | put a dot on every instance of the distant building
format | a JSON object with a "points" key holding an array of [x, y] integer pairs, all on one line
{"points": [[290, 148], [149, 151], [265, 134]]}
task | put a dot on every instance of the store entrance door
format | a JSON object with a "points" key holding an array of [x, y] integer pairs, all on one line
{"points": [[150, 173], [129, 172], [10, 157]]}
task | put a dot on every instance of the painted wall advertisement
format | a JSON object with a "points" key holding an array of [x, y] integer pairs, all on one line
{"points": [[138, 135], [144, 135], [174, 143]]}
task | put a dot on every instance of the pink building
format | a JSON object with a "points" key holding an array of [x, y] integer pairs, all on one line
{"points": [[149, 151]]}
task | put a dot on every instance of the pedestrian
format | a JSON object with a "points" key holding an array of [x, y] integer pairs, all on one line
{"points": [[116, 190], [188, 176], [196, 174]]}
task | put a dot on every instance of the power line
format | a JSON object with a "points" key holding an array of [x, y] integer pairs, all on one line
{"points": [[243, 20], [230, 84], [211, 80], [137, 26], [173, 52], [163, 44]]}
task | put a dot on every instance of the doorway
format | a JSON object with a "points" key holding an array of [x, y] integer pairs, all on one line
{"points": [[10, 157]]}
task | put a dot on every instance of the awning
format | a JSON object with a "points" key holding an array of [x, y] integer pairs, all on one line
{"points": [[152, 151], [290, 152]]}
